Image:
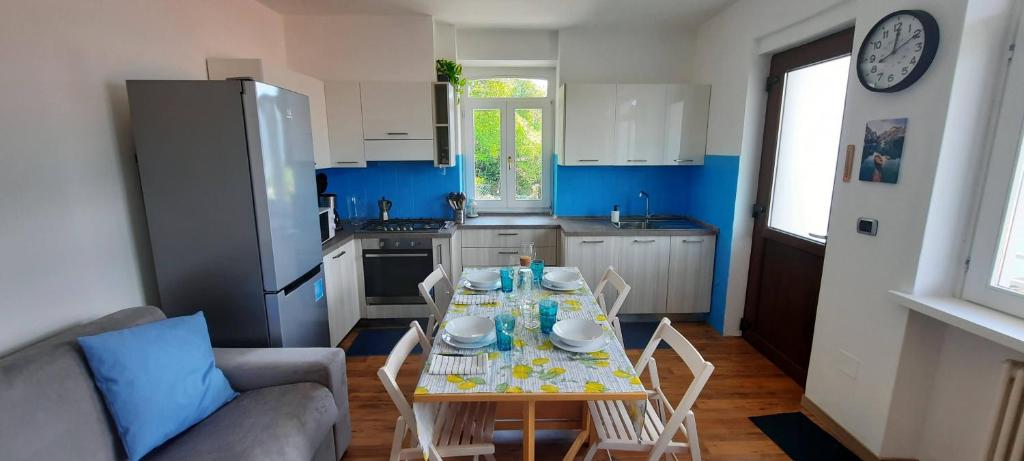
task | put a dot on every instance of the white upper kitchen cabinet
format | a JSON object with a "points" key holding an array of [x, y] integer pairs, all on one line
{"points": [[589, 124], [345, 124], [644, 262], [691, 268], [686, 126], [256, 69], [640, 124], [397, 110]]}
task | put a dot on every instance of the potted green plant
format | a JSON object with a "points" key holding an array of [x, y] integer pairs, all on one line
{"points": [[450, 71]]}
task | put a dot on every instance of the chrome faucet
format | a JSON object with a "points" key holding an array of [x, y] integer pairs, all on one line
{"points": [[647, 204]]}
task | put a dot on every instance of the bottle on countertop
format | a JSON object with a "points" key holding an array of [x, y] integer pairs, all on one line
{"points": [[615, 214]]}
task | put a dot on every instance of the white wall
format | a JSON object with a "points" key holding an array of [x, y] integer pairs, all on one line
{"points": [[73, 238], [507, 45], [596, 55], [362, 48], [917, 381]]}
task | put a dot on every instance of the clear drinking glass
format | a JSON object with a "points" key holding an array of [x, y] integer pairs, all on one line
{"points": [[527, 254]]}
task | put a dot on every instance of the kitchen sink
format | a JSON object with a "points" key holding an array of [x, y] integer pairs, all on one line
{"points": [[658, 223]]}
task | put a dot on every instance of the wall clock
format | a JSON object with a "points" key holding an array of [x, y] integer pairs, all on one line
{"points": [[897, 51]]}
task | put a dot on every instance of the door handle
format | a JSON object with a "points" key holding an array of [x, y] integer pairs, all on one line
{"points": [[644, 241], [346, 163], [818, 236], [508, 163], [592, 241], [587, 160], [508, 252], [508, 234], [398, 133], [757, 211], [683, 161], [637, 160]]}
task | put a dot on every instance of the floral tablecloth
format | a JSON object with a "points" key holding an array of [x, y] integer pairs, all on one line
{"points": [[535, 364]]}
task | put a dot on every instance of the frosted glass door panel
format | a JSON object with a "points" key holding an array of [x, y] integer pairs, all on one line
{"points": [[812, 116]]}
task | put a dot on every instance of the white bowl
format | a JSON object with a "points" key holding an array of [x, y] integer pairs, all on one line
{"points": [[578, 332], [483, 278], [469, 329], [562, 278]]}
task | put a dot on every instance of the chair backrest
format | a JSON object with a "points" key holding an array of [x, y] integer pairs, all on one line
{"points": [[700, 368], [388, 373], [621, 288], [443, 290]]}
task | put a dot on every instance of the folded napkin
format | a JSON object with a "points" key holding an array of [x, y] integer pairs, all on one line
{"points": [[458, 365], [464, 299]]}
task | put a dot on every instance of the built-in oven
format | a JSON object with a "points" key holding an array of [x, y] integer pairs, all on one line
{"points": [[394, 268]]}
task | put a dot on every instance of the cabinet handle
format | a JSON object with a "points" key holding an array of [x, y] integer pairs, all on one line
{"points": [[588, 160], [683, 161], [508, 252], [592, 241], [692, 241], [346, 163], [644, 241], [339, 255], [508, 234], [398, 133], [637, 160]]}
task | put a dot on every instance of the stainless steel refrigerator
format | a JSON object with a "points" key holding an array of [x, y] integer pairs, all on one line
{"points": [[228, 181]]}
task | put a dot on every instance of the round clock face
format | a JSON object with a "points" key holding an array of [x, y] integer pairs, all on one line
{"points": [[897, 51]]}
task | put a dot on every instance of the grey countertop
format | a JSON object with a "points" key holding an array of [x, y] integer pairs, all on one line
{"points": [[572, 227], [582, 226]]}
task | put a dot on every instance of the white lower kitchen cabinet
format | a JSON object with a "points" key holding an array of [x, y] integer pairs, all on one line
{"points": [[342, 290], [691, 269], [643, 262], [491, 257], [592, 255]]}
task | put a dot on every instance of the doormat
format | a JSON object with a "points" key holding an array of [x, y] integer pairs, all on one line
{"points": [[636, 335], [377, 341], [801, 439]]}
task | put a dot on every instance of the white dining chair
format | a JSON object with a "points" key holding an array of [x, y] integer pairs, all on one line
{"points": [[613, 424], [617, 329], [443, 290], [621, 288], [459, 428]]}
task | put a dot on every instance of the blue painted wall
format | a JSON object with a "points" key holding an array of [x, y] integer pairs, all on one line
{"points": [[705, 192], [416, 189]]}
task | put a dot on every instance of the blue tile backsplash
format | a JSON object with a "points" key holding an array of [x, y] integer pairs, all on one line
{"points": [[708, 193]]}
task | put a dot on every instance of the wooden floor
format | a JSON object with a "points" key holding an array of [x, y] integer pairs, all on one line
{"points": [[744, 384]]}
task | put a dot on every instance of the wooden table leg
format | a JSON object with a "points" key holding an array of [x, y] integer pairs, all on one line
{"points": [[583, 436], [529, 429]]}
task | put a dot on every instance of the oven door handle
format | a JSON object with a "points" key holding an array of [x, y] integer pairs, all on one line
{"points": [[396, 255]]}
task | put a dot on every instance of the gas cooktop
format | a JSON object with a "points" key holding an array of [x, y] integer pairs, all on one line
{"points": [[404, 225]]}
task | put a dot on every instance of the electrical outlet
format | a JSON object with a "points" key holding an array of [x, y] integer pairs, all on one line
{"points": [[848, 364]]}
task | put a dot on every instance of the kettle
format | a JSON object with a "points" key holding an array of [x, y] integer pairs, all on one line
{"points": [[385, 208]]}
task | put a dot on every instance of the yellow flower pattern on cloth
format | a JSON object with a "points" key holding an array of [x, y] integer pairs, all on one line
{"points": [[546, 346], [522, 371], [594, 386], [541, 361], [551, 388], [420, 390], [601, 318], [466, 384], [572, 305], [633, 379]]}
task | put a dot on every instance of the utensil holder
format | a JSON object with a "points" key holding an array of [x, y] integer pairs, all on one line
{"points": [[460, 216]]}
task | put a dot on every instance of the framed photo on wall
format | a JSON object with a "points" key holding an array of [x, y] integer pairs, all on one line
{"points": [[883, 150]]}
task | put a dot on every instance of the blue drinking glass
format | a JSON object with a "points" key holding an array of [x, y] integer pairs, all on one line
{"points": [[548, 315], [504, 326], [506, 279], [537, 266]]}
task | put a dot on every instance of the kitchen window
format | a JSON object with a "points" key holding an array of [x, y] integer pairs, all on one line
{"points": [[508, 141], [995, 275]]}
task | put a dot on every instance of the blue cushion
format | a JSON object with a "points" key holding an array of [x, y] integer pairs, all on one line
{"points": [[158, 379]]}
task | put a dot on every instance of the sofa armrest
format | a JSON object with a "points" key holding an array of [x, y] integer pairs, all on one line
{"points": [[254, 368]]}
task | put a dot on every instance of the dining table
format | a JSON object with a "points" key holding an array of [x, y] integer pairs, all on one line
{"points": [[536, 385]]}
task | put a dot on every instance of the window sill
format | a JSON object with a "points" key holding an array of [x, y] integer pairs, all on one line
{"points": [[986, 322]]}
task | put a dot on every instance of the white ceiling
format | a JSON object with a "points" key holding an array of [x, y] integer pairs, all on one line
{"points": [[531, 14]]}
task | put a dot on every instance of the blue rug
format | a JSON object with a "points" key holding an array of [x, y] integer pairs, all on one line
{"points": [[636, 335], [801, 439], [377, 341]]}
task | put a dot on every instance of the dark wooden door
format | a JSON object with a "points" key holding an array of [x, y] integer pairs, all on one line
{"points": [[806, 97]]}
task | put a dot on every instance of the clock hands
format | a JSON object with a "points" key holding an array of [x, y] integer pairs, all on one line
{"points": [[897, 47]]}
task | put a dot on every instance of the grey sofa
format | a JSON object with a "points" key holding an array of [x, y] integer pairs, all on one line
{"points": [[293, 404]]}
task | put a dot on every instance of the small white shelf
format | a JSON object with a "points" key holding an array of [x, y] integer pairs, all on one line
{"points": [[983, 321]]}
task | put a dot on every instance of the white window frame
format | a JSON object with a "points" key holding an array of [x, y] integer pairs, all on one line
{"points": [[509, 204], [1000, 182]]}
